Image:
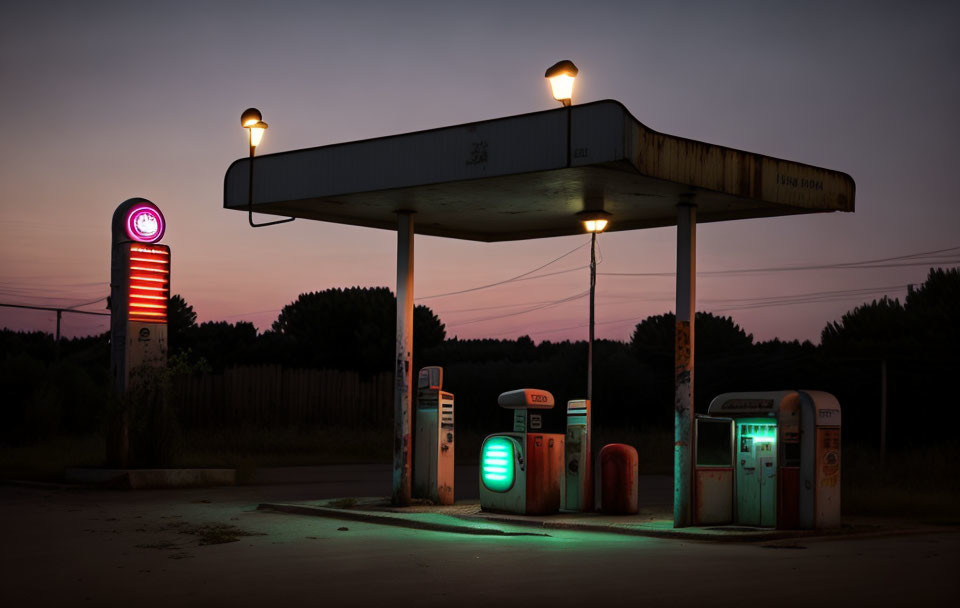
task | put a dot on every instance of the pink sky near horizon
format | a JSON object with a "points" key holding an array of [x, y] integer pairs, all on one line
{"points": [[107, 101]]}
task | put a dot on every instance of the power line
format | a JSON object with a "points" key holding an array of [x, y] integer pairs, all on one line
{"points": [[514, 305], [937, 254], [88, 303], [523, 312], [707, 273], [510, 280], [810, 300], [57, 310], [86, 284], [749, 303], [789, 297]]}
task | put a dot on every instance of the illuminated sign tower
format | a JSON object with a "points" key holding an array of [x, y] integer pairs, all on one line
{"points": [[139, 290]]}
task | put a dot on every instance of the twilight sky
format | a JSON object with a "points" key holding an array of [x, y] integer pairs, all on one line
{"points": [[106, 101]]}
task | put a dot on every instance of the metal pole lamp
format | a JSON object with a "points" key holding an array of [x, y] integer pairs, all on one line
{"points": [[594, 222], [252, 120], [561, 76]]}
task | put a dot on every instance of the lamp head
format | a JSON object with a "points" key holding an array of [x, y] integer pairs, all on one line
{"points": [[561, 76], [256, 132], [594, 221], [250, 116]]}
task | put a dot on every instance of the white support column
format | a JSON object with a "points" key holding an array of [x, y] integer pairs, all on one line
{"points": [[683, 366], [403, 380]]}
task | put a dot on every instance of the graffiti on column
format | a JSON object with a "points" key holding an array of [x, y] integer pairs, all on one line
{"points": [[682, 371]]}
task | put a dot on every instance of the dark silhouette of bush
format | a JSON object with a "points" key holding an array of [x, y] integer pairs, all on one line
{"points": [[180, 319], [350, 329]]}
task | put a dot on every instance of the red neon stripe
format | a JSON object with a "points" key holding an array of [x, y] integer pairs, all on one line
{"points": [[151, 279], [154, 260], [143, 250], [148, 269], [146, 297]]}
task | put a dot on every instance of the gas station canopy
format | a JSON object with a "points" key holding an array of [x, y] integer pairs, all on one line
{"points": [[527, 176]]}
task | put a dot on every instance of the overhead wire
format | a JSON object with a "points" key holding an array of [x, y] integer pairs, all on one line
{"points": [[945, 255], [564, 300], [747, 303], [511, 279], [938, 256], [75, 306]]}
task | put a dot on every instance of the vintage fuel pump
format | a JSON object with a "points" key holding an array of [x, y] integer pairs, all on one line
{"points": [[578, 489], [433, 448], [522, 472], [769, 459]]}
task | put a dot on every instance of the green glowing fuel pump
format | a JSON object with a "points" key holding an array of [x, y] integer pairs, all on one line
{"points": [[522, 471], [769, 459]]}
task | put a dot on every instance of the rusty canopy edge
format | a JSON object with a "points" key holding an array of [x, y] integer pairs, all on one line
{"points": [[508, 178]]}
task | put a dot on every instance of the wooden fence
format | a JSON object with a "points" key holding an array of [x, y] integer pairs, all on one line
{"points": [[270, 396]]}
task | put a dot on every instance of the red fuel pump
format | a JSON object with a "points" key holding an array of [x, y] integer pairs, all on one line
{"points": [[619, 467]]}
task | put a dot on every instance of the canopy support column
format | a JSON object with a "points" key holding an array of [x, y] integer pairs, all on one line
{"points": [[683, 366], [403, 364]]}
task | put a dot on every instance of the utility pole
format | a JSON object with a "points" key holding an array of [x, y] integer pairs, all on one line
{"points": [[57, 342], [593, 289], [883, 411], [59, 311]]}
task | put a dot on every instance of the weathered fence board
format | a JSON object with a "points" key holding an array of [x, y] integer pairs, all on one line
{"points": [[270, 396]]}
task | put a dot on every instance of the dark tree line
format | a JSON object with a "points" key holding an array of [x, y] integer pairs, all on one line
{"points": [[348, 329], [353, 329]]}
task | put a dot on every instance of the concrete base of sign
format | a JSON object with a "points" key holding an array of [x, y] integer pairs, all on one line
{"points": [[137, 479]]}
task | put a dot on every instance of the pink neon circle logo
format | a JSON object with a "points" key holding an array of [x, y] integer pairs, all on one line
{"points": [[145, 224]]}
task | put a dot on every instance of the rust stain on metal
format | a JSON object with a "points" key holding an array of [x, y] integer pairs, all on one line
{"points": [[682, 350], [683, 372], [741, 174]]}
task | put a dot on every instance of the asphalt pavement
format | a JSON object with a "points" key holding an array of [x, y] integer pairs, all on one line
{"points": [[212, 547]]}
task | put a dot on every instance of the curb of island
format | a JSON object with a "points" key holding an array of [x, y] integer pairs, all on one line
{"points": [[396, 518], [388, 520]]}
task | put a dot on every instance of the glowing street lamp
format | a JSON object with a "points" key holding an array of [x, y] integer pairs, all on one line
{"points": [[594, 222], [256, 133], [595, 226], [561, 76], [252, 120]]}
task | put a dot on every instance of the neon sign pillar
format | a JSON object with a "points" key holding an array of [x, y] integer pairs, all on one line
{"points": [[139, 290]]}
